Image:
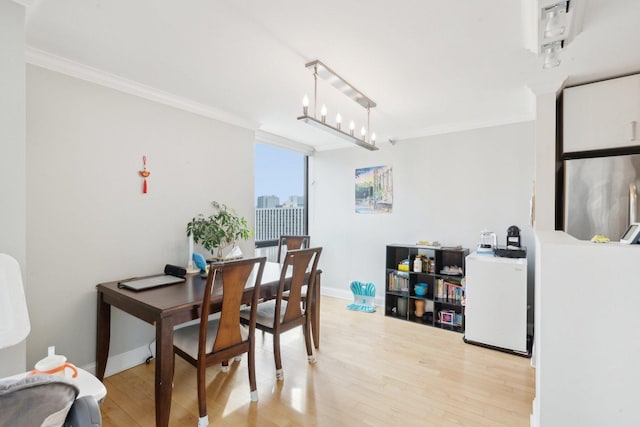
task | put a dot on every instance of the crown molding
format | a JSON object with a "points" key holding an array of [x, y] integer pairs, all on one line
{"points": [[553, 82], [339, 146], [282, 142], [463, 127], [71, 68], [445, 129]]}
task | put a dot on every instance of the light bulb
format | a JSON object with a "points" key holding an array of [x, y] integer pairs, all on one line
{"points": [[363, 133], [352, 126], [305, 104], [556, 17], [338, 121], [554, 26], [551, 54], [373, 138], [323, 113]]}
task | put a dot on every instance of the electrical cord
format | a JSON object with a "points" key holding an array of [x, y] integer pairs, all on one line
{"points": [[150, 358]]}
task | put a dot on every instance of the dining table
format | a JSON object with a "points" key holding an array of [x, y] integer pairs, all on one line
{"points": [[171, 305]]}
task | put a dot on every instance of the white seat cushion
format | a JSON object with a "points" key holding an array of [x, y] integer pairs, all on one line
{"points": [[265, 312], [303, 292], [186, 338]]}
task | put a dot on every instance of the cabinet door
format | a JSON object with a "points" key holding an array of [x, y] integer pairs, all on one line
{"points": [[601, 115]]}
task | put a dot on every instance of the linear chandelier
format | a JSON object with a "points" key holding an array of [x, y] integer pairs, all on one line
{"points": [[365, 140]]}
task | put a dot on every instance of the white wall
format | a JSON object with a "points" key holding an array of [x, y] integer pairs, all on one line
{"points": [[88, 221], [12, 156], [587, 326], [545, 159], [446, 188]]}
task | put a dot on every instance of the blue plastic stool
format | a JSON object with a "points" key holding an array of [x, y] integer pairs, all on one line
{"points": [[363, 297]]}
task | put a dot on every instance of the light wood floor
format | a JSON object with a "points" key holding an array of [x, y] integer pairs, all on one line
{"points": [[372, 371]]}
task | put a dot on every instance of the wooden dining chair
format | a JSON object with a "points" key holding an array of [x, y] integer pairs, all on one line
{"points": [[217, 340], [279, 315], [291, 243]]}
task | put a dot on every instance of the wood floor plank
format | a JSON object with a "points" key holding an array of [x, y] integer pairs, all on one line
{"points": [[372, 370]]}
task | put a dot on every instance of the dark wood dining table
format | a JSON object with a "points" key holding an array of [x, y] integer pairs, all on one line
{"points": [[169, 306]]}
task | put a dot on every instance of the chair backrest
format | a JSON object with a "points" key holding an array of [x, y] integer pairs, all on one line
{"points": [[14, 317], [292, 243], [302, 263], [234, 275]]}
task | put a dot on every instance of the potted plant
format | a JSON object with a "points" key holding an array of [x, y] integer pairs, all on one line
{"points": [[221, 229]]}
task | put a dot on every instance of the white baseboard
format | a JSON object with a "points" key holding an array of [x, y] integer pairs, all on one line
{"points": [[533, 419], [346, 294], [123, 361], [336, 293]]}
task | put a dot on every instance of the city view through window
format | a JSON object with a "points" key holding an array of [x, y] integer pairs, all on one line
{"points": [[280, 177]]}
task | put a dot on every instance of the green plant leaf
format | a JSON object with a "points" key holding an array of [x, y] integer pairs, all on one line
{"points": [[221, 229]]}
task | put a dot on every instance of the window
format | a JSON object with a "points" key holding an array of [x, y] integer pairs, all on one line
{"points": [[281, 194]]}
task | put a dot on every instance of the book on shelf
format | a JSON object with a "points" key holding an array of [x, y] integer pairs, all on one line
{"points": [[450, 317], [398, 281], [450, 291]]}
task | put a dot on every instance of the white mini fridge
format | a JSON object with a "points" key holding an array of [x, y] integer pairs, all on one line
{"points": [[496, 302]]}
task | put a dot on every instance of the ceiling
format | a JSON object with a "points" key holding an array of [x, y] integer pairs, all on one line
{"points": [[431, 66]]}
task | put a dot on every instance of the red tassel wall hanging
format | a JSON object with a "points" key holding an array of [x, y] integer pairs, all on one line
{"points": [[144, 173]]}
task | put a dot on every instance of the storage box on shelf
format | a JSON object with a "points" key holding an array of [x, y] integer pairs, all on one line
{"points": [[431, 290]]}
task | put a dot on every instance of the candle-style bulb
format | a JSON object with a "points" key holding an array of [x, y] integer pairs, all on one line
{"points": [[305, 104], [338, 121], [373, 138], [352, 126], [363, 133]]}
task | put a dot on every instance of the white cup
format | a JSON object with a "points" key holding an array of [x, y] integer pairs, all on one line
{"points": [[54, 365]]}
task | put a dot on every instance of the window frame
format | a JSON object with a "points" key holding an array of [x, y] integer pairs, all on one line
{"points": [[305, 197]]}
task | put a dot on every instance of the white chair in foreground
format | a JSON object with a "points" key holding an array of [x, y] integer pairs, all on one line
{"points": [[34, 400]]}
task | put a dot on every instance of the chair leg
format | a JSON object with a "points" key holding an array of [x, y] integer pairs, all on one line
{"points": [[276, 356], [252, 373], [307, 340], [202, 396]]}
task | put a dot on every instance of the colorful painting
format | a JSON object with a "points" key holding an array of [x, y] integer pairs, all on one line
{"points": [[374, 190]]}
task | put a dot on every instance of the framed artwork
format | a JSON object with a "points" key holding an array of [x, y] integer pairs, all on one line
{"points": [[374, 190]]}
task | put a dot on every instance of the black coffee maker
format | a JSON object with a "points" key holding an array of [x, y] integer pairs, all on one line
{"points": [[514, 248], [513, 236]]}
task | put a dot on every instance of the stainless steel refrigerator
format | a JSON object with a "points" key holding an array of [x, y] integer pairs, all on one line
{"points": [[601, 195]]}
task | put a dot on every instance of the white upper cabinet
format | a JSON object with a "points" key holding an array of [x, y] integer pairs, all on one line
{"points": [[602, 115]]}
